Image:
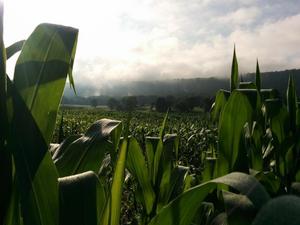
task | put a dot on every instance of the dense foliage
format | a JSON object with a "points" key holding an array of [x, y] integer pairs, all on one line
{"points": [[110, 171]]}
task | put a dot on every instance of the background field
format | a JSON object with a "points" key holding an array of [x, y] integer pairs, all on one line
{"points": [[197, 134]]}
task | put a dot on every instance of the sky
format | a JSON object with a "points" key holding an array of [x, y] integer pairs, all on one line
{"points": [[165, 39]]}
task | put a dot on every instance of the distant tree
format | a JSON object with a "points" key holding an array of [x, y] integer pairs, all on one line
{"points": [[94, 102], [161, 105], [113, 103], [182, 106], [186, 104], [170, 101], [129, 103]]}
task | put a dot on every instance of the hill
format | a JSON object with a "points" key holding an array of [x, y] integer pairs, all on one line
{"points": [[205, 87]]}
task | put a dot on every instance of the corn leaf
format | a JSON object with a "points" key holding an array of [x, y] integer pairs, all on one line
{"points": [[234, 81], [82, 199], [257, 77], [172, 185], [218, 106], [240, 210], [158, 153], [40, 72], [14, 48], [291, 98], [118, 179], [182, 210], [13, 215], [151, 146], [136, 165], [279, 211], [5, 156], [279, 119], [39, 80], [87, 152], [239, 110]]}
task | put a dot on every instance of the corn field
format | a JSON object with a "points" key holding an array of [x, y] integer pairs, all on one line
{"points": [[110, 172]]}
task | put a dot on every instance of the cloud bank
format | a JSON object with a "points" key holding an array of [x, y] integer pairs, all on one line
{"points": [[165, 39]]}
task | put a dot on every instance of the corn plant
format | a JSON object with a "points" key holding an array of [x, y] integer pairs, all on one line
{"points": [[160, 178], [29, 105]]}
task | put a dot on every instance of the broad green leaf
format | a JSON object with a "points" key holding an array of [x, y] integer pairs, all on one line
{"points": [[41, 71], [279, 211], [279, 119], [163, 126], [136, 165], [62, 146], [157, 161], [234, 81], [118, 179], [168, 173], [13, 215], [218, 106], [88, 151], [39, 80], [151, 146], [254, 144], [220, 219], [257, 77], [295, 188], [158, 152], [269, 180], [209, 166], [171, 144], [14, 48], [298, 116], [240, 210], [240, 109], [34, 168], [291, 98], [176, 184], [82, 199], [182, 210]]}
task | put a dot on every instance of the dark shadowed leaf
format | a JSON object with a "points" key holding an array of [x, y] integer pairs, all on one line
{"points": [[88, 151], [234, 81], [257, 77], [181, 211], [291, 98], [82, 199], [280, 211], [14, 48], [240, 210]]}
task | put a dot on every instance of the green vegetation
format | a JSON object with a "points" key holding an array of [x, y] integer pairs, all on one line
{"points": [[196, 134], [110, 172]]}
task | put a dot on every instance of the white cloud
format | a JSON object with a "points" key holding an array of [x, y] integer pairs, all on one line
{"points": [[158, 39], [242, 16]]}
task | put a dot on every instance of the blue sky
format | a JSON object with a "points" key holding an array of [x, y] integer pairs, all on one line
{"points": [[164, 39]]}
